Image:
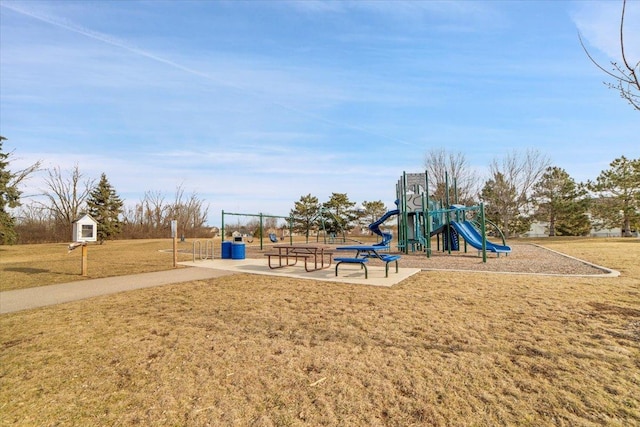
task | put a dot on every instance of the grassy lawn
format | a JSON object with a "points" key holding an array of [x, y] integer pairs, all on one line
{"points": [[441, 348], [26, 266]]}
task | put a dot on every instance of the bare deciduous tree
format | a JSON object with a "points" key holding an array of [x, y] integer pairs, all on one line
{"points": [[151, 217], [66, 194], [35, 224], [439, 163], [517, 172], [625, 75], [147, 219], [155, 210], [190, 212]]}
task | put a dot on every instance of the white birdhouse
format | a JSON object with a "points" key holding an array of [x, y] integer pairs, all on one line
{"points": [[85, 229]]}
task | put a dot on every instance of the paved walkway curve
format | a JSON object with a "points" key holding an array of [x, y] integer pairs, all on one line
{"points": [[42, 296]]}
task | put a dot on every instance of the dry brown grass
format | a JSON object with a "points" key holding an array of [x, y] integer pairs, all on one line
{"points": [[442, 348], [26, 266]]}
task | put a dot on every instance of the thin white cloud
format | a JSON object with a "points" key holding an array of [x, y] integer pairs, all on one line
{"points": [[599, 23], [448, 14], [260, 113], [120, 43]]}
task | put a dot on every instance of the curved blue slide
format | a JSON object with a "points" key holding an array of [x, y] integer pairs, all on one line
{"points": [[375, 227], [471, 235]]}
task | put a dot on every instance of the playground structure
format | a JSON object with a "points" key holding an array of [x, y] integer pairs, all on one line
{"points": [[420, 218]]}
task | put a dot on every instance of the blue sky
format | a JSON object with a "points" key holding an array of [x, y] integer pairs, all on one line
{"points": [[253, 104]]}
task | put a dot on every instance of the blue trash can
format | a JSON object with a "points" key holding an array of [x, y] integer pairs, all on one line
{"points": [[237, 251], [225, 253]]}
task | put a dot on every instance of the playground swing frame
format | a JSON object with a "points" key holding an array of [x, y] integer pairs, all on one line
{"points": [[320, 216], [261, 229]]}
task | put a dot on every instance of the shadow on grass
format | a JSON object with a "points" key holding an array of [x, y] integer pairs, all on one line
{"points": [[27, 270]]}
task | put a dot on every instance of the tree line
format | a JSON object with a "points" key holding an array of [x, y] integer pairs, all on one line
{"points": [[68, 194], [522, 187]]}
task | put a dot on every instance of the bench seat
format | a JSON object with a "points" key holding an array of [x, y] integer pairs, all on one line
{"points": [[290, 255], [287, 257], [361, 261], [387, 259]]}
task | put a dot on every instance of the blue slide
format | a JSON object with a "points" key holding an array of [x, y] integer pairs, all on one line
{"points": [[474, 238], [375, 227]]}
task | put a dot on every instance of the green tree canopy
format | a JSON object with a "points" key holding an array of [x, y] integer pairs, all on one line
{"points": [[105, 206], [342, 213], [618, 190], [373, 210], [304, 212], [561, 203], [501, 207], [10, 194]]}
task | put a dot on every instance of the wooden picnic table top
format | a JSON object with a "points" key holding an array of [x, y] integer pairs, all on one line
{"points": [[304, 246], [317, 252]]}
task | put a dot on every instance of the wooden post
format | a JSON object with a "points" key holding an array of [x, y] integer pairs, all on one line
{"points": [[84, 259], [174, 235], [175, 251]]}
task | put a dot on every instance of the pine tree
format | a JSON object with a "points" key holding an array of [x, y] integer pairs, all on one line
{"points": [[621, 186], [105, 207], [9, 194], [303, 214], [342, 213], [501, 205], [562, 203], [373, 211], [9, 198]]}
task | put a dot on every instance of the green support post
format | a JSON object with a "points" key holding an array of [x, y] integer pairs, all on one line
{"points": [[291, 230], [222, 225], [455, 191], [483, 231], [405, 214], [448, 211], [426, 213], [261, 230]]}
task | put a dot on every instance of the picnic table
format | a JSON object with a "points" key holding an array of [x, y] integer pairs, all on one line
{"points": [[288, 256], [363, 253]]}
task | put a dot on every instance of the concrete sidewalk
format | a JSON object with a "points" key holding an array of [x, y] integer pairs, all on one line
{"points": [[24, 299], [42, 296]]}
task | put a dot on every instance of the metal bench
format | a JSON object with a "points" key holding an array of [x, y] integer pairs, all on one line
{"points": [[361, 261], [387, 259]]}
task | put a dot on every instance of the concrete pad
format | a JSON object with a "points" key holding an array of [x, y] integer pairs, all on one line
{"points": [[347, 273]]}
